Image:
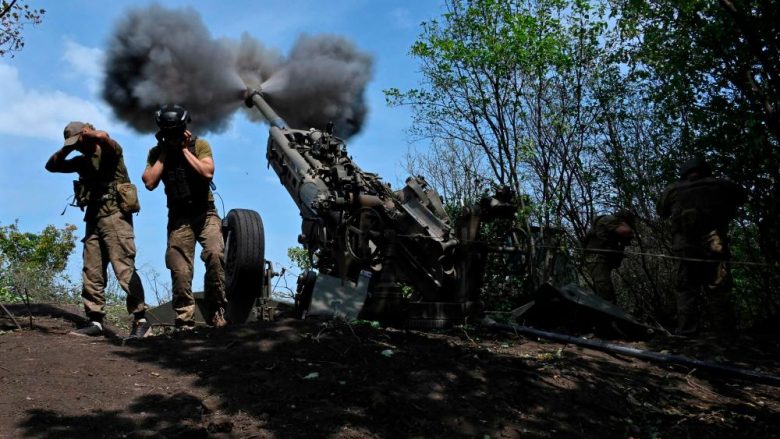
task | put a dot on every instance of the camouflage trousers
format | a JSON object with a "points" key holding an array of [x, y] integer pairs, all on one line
{"points": [[704, 286], [206, 229], [598, 275], [110, 239]]}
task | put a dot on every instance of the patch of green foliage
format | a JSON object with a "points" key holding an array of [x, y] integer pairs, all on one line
{"points": [[34, 263], [300, 257], [370, 323]]}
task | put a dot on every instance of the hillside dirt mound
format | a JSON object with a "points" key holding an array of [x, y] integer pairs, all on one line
{"points": [[293, 378]]}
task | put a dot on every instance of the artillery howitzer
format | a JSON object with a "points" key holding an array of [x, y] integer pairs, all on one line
{"points": [[379, 254]]}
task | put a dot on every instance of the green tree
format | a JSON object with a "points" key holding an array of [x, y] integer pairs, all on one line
{"points": [[14, 15], [507, 97], [36, 261], [710, 72], [586, 115]]}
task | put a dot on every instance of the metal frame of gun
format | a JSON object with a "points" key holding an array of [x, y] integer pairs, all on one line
{"points": [[353, 224]]}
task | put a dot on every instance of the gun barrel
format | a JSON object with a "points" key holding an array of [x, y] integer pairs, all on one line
{"points": [[255, 99], [294, 171]]}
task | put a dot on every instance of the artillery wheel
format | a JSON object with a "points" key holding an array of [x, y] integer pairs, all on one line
{"points": [[244, 262], [362, 235]]}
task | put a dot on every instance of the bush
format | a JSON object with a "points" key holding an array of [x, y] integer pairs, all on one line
{"points": [[35, 263]]}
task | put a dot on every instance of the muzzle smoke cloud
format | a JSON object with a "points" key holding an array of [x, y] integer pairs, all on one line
{"points": [[158, 55]]}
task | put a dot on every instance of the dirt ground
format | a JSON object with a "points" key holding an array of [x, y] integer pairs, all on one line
{"points": [[293, 378]]}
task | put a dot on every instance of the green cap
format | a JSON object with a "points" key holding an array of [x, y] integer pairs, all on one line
{"points": [[72, 132]]}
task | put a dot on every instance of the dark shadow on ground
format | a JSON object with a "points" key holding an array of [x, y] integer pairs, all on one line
{"points": [[177, 416], [303, 379], [71, 313]]}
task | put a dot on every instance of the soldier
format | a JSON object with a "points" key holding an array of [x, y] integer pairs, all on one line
{"points": [[104, 189], [185, 165], [700, 208], [604, 250]]}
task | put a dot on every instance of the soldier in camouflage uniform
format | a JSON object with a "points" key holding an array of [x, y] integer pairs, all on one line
{"points": [[700, 208], [604, 250], [109, 230], [185, 165]]}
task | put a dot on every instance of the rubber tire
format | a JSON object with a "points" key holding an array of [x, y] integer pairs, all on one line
{"points": [[244, 262]]}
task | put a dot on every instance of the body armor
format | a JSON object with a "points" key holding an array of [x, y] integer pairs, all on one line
{"points": [[184, 187]]}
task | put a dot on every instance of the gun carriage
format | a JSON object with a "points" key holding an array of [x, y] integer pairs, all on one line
{"points": [[379, 254]]}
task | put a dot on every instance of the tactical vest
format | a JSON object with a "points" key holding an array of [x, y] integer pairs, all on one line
{"points": [[186, 190], [702, 205], [96, 187], [591, 240]]}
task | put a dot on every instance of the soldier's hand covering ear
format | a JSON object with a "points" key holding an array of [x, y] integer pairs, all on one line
{"points": [[187, 138]]}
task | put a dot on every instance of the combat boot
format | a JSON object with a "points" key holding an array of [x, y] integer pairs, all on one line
{"points": [[141, 329], [94, 329], [218, 320]]}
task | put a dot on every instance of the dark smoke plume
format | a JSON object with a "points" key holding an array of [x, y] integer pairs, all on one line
{"points": [[322, 81], [159, 55]]}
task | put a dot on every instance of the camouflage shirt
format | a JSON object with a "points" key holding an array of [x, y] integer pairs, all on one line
{"points": [[100, 173], [603, 236]]}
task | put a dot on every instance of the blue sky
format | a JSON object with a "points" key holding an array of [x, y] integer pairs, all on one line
{"points": [[56, 78]]}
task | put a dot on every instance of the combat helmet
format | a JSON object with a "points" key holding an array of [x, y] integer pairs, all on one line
{"points": [[172, 117], [695, 164]]}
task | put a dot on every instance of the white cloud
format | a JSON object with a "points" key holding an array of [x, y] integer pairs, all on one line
{"points": [[40, 114], [84, 60], [86, 64]]}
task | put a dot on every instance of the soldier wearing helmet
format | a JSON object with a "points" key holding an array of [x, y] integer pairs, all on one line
{"points": [[105, 191], [604, 245], [700, 208], [184, 164]]}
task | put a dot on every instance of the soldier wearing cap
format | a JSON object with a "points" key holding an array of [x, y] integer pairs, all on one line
{"points": [[700, 208], [185, 165], [105, 192], [604, 245]]}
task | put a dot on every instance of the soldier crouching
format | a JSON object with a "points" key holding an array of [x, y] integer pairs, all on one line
{"points": [[605, 245]]}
